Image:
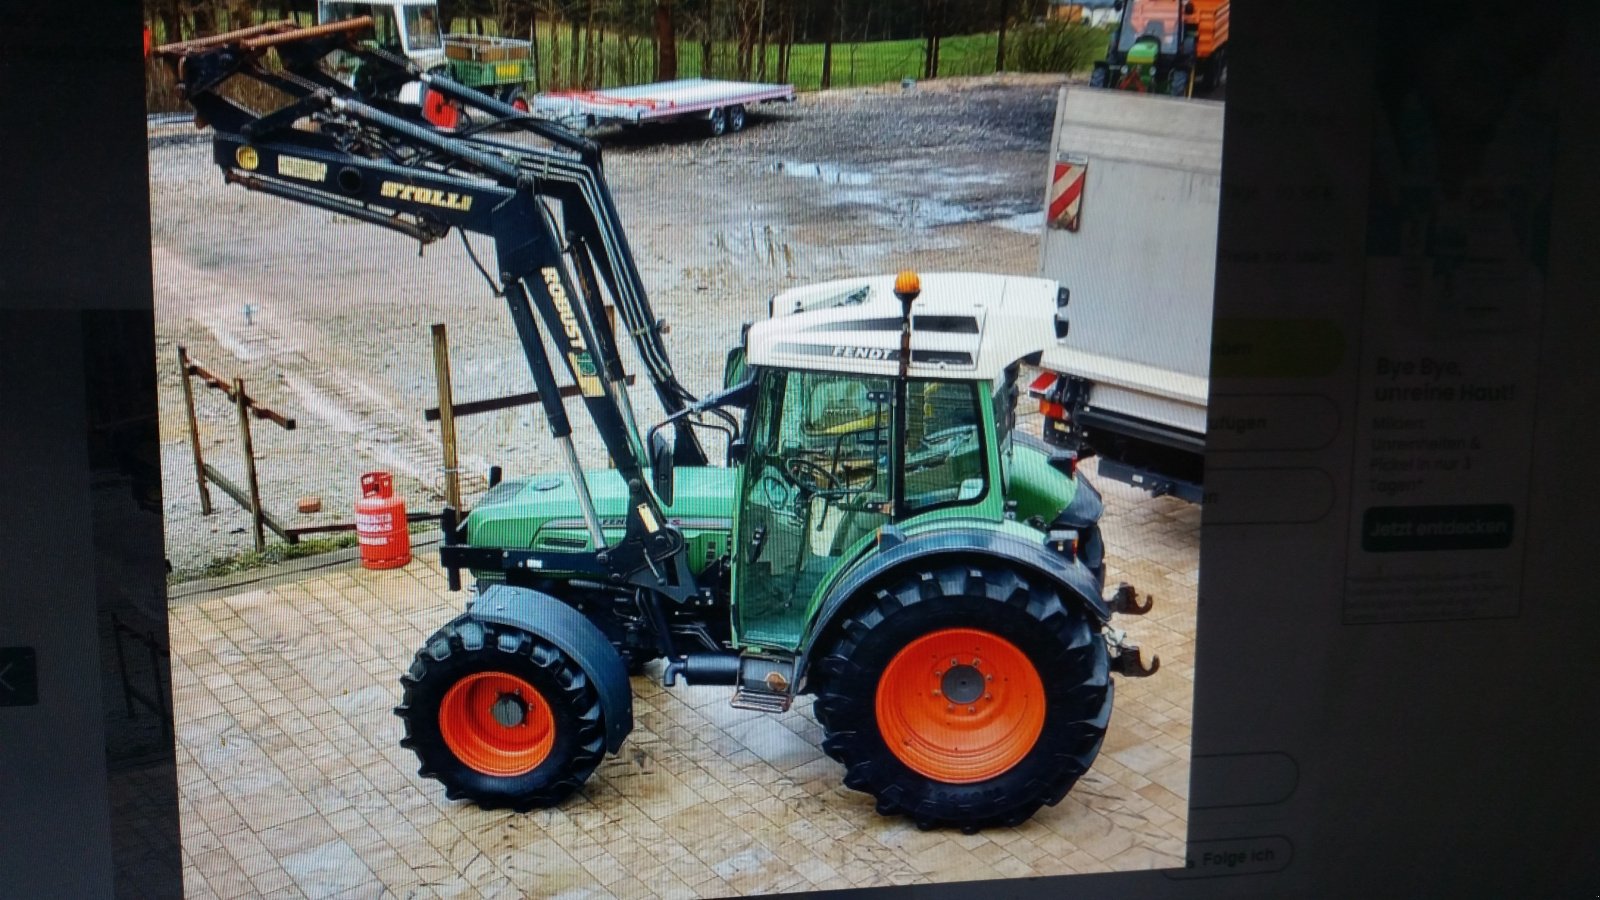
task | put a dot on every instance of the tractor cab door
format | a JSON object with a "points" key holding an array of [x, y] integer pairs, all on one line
{"points": [[816, 484]]}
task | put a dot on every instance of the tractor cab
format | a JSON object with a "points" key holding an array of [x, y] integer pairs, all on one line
{"points": [[410, 28], [844, 438], [1173, 47], [1149, 28]]}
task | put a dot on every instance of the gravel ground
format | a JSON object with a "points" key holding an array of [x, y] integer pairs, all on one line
{"points": [[328, 321]]}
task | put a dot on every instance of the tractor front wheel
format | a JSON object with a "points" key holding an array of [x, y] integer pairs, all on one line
{"points": [[500, 717], [965, 697], [1178, 81]]}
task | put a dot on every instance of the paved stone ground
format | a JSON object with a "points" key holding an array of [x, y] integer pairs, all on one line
{"points": [[292, 781]]}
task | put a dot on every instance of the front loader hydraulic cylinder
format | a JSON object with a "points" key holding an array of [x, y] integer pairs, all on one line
{"points": [[555, 412]]}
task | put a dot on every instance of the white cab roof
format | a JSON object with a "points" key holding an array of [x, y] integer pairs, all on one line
{"points": [[963, 326]]}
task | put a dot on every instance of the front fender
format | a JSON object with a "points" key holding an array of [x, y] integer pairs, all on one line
{"points": [[543, 615], [1077, 582]]}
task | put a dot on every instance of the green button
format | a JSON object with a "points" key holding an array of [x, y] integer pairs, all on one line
{"points": [[1275, 348], [1395, 529]]}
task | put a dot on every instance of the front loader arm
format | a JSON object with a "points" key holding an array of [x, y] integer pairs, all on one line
{"points": [[380, 162]]}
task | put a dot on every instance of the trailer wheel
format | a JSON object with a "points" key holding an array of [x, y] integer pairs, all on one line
{"points": [[518, 98], [735, 116], [718, 122], [964, 696], [500, 717], [1219, 73]]}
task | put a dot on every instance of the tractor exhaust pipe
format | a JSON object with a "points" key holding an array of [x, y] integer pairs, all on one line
{"points": [[702, 668]]}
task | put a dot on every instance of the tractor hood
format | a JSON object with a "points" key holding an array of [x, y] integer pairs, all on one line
{"points": [[543, 510]]}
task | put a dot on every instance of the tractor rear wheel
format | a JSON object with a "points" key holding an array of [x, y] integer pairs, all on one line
{"points": [[500, 717], [964, 696]]}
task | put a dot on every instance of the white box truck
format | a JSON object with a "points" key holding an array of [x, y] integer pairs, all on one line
{"points": [[1131, 234]]}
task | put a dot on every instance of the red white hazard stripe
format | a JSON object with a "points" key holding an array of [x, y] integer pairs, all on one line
{"points": [[1066, 195]]}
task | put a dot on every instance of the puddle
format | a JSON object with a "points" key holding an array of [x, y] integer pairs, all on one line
{"points": [[893, 211], [826, 173], [1027, 223]]}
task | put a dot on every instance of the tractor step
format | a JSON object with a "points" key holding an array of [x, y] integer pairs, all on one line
{"points": [[766, 683]]}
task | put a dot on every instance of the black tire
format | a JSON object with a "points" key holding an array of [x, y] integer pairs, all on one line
{"points": [[466, 647], [1100, 77], [1066, 651], [1178, 81], [735, 116], [516, 96], [717, 123]]}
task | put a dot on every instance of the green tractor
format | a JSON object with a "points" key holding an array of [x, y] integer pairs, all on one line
{"points": [[878, 533], [882, 538], [1173, 47]]}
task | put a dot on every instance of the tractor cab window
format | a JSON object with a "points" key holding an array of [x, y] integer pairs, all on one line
{"points": [[944, 447], [385, 31], [1160, 19], [422, 28]]}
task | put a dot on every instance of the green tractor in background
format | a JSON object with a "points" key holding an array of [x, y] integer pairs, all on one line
{"points": [[1173, 47]]}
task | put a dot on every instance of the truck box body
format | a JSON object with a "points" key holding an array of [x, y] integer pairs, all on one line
{"points": [[1136, 247]]}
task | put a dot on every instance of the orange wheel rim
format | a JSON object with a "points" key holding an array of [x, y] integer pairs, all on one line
{"points": [[960, 705], [498, 724]]}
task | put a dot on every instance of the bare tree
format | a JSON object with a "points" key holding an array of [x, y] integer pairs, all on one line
{"points": [[666, 42], [1000, 42]]}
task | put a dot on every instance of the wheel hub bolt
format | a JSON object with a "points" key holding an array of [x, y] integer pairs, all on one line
{"points": [[510, 711]]}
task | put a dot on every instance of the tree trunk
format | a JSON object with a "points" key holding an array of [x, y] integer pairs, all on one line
{"points": [[533, 38], [830, 19], [576, 48], [666, 42], [205, 22], [1000, 44], [171, 23], [588, 51], [761, 57]]}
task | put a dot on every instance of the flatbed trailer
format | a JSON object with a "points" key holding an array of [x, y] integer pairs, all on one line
{"points": [[721, 104]]}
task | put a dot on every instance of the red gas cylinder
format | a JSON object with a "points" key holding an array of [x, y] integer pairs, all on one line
{"points": [[381, 524]]}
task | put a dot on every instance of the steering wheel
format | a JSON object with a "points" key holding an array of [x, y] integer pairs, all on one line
{"points": [[808, 475]]}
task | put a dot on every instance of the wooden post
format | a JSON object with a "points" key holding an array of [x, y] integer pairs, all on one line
{"points": [[447, 417], [194, 433], [243, 404]]}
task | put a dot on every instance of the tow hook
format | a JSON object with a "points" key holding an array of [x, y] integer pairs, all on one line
{"points": [[1127, 659], [1126, 601]]}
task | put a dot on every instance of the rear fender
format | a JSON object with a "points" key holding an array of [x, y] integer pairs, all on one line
{"points": [[551, 620], [1076, 582]]}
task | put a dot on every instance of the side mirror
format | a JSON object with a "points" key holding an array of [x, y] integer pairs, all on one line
{"points": [[733, 368], [661, 467], [738, 451]]}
